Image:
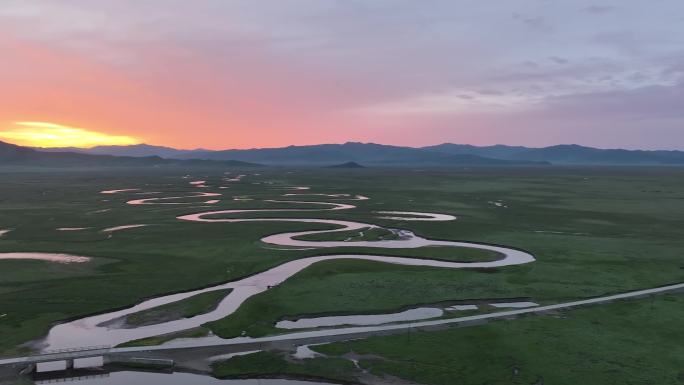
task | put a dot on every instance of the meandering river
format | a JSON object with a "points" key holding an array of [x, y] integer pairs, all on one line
{"points": [[101, 329]]}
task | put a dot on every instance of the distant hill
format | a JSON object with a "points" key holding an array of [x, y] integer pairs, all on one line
{"points": [[346, 165], [315, 155], [580, 154], [567, 154], [13, 155], [498, 151], [365, 153], [136, 150], [371, 154]]}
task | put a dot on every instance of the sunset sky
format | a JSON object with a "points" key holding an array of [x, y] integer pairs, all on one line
{"points": [[259, 73]]}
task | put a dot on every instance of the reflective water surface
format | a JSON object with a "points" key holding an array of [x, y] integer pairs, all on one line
{"points": [[50, 257], [362, 319], [153, 378]]}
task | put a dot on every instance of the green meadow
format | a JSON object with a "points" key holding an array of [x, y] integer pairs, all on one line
{"points": [[594, 231]]}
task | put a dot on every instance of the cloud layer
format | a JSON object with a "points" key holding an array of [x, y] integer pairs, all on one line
{"points": [[242, 73]]}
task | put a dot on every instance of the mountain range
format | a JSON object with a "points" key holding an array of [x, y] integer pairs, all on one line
{"points": [[315, 155], [13, 155], [371, 154], [323, 155], [567, 154]]}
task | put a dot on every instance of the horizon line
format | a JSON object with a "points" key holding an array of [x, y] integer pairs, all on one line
{"points": [[345, 143]]}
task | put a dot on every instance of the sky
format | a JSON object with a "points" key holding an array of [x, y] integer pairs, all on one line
{"points": [[242, 73]]}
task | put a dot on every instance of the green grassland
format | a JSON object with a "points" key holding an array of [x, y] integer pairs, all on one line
{"points": [[347, 286], [265, 364], [594, 231], [634, 342], [586, 227], [365, 234]]}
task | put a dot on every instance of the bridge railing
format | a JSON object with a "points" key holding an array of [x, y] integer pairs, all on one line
{"points": [[73, 350], [71, 379]]}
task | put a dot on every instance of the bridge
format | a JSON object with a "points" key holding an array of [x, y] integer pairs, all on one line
{"points": [[202, 348], [68, 355], [71, 379]]}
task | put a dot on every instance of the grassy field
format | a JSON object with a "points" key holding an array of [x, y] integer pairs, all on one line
{"points": [[628, 343], [349, 287], [131, 265], [365, 234], [265, 364], [594, 231]]}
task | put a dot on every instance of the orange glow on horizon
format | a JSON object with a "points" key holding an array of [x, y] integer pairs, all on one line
{"points": [[46, 135]]}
